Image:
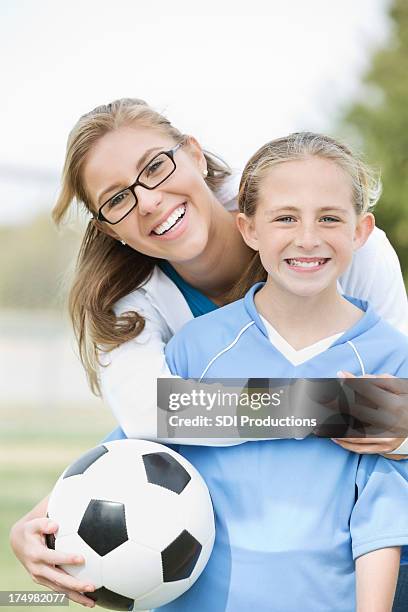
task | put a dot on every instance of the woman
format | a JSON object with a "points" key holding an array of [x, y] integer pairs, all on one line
{"points": [[158, 251]]}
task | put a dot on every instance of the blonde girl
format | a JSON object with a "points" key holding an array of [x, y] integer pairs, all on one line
{"points": [[296, 518]]}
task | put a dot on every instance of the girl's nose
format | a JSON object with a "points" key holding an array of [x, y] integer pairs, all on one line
{"points": [[147, 199], [307, 238]]}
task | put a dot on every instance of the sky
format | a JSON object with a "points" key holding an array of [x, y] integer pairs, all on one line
{"points": [[233, 74]]}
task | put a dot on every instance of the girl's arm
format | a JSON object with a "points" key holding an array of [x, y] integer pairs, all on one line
{"points": [[27, 539], [378, 527], [376, 579]]}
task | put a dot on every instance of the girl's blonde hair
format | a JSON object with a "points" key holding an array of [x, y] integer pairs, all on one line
{"points": [[365, 183], [106, 270]]}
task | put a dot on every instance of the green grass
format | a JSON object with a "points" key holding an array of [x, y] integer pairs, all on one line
{"points": [[35, 447]]}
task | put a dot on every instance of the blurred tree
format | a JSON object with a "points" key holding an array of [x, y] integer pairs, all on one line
{"points": [[379, 120], [35, 260]]}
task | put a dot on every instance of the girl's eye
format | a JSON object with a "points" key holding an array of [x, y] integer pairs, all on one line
{"points": [[329, 219], [287, 219]]}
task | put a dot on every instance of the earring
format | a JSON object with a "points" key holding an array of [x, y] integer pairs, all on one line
{"points": [[123, 242], [205, 172]]}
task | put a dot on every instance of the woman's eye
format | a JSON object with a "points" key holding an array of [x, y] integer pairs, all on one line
{"points": [[153, 167], [117, 199]]}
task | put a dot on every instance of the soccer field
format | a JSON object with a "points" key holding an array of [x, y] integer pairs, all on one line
{"points": [[35, 446]]}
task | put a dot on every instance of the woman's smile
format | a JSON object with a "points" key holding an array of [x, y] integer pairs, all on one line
{"points": [[171, 222]]}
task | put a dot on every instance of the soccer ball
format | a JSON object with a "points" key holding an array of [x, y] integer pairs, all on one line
{"points": [[141, 516]]}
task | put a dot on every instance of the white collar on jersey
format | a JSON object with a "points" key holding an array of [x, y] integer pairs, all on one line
{"points": [[297, 357]]}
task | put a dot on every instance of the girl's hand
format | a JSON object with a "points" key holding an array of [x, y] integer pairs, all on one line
{"points": [[27, 539], [392, 395]]}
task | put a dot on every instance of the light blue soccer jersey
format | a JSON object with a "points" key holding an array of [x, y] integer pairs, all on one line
{"points": [[371, 346], [291, 515]]}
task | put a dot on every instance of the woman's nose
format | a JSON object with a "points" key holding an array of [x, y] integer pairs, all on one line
{"points": [[147, 199]]}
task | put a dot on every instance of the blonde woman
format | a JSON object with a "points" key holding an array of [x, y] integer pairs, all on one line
{"points": [[161, 247]]}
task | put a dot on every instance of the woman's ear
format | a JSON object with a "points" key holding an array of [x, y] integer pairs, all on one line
{"points": [[196, 152], [246, 226], [364, 227], [105, 228]]}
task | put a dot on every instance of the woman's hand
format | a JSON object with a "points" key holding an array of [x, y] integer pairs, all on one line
{"points": [[27, 539], [392, 395]]}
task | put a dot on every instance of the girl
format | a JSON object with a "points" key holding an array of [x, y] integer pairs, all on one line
{"points": [[123, 301], [293, 516]]}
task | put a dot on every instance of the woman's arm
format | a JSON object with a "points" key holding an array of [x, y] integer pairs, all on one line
{"points": [[27, 539], [391, 393], [129, 378], [375, 275], [129, 384], [376, 579]]}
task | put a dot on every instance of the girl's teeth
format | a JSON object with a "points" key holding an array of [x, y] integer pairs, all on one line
{"points": [[170, 221], [305, 264]]}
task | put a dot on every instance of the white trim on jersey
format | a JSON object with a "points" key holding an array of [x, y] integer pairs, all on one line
{"points": [[360, 361], [227, 348]]}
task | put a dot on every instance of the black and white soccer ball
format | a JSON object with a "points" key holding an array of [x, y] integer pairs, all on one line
{"points": [[141, 516]]}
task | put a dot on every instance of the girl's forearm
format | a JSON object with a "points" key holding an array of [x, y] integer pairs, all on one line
{"points": [[376, 579]]}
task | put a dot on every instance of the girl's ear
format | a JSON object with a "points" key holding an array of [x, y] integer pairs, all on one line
{"points": [[246, 226], [364, 227]]}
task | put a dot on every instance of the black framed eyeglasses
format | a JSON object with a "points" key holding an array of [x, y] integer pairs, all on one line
{"points": [[154, 173]]}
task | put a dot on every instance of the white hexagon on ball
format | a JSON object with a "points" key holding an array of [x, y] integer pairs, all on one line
{"points": [[145, 564], [91, 570]]}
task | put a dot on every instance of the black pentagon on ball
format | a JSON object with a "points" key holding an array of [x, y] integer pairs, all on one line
{"points": [[109, 599], [165, 471], [82, 464], [180, 557], [103, 526], [50, 538]]}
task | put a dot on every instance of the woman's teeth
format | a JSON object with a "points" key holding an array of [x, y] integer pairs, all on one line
{"points": [[306, 264], [170, 221]]}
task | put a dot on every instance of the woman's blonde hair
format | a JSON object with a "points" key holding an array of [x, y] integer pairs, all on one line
{"points": [[365, 183], [106, 270]]}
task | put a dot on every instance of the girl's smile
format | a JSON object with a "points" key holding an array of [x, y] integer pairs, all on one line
{"points": [[306, 265]]}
